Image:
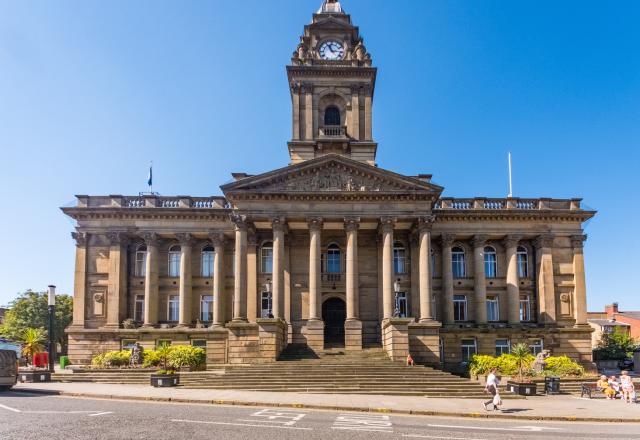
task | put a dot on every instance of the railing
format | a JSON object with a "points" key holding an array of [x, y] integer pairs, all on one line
{"points": [[480, 203], [332, 277], [333, 131], [152, 201], [134, 202]]}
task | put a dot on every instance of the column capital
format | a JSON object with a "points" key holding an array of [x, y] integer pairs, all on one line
{"points": [[577, 241], [351, 223], [217, 239], [355, 88], [387, 224], [315, 223], [81, 238], [252, 238], [306, 87], [278, 224], [117, 238], [447, 240], [151, 238], [239, 220], [479, 240], [425, 223], [511, 241], [185, 239], [543, 241]]}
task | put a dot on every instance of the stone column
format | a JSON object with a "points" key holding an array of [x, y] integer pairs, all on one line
{"points": [[151, 280], [278, 226], [354, 131], [424, 230], [386, 228], [240, 279], [253, 309], [117, 290], [513, 289], [353, 325], [308, 111], [315, 326], [546, 280], [218, 240], [580, 289], [185, 284], [480, 282], [80, 278], [447, 279], [368, 114], [315, 269], [295, 104]]}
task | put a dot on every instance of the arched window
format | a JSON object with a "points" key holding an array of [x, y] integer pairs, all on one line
{"points": [[458, 266], [266, 257], [174, 261], [141, 261], [399, 258], [331, 116], [333, 260], [490, 262], [523, 262], [207, 261]]}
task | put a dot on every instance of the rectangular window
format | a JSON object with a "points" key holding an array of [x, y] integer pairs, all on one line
{"points": [[266, 260], [138, 309], [141, 263], [173, 314], [401, 305], [174, 264], [128, 344], [207, 264], [399, 261], [536, 346], [525, 308], [460, 308], [468, 349], [206, 308], [266, 304], [458, 265], [493, 309], [162, 343], [199, 343], [333, 260], [503, 346]]}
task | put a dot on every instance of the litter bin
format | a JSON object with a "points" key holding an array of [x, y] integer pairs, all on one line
{"points": [[552, 385], [64, 361]]}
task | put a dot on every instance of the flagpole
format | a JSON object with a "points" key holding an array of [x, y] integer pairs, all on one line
{"points": [[510, 178]]}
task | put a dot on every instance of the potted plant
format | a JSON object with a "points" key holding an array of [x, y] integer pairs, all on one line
{"points": [[522, 357], [165, 377], [33, 340]]}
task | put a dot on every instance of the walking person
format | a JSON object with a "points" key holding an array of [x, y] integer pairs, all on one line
{"points": [[492, 388]]}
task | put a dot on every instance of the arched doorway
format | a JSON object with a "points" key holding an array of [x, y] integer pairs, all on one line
{"points": [[334, 314]]}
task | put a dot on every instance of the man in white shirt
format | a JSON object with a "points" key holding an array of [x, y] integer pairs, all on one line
{"points": [[491, 388]]}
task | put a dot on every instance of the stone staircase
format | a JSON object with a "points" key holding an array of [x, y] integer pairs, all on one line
{"points": [[300, 370]]}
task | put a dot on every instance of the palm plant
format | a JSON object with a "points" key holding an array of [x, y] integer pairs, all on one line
{"points": [[521, 354], [33, 340], [163, 353]]}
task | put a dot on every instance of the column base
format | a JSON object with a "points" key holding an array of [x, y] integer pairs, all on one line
{"points": [[353, 335], [424, 342], [240, 320], [315, 335], [395, 337]]}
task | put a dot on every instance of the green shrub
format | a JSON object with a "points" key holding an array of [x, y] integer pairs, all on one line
{"points": [[507, 364], [150, 359], [187, 356], [562, 366], [112, 359], [481, 364]]}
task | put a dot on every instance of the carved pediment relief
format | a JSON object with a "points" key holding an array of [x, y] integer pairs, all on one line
{"points": [[331, 179]]}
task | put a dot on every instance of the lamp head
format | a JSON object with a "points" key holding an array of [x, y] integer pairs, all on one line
{"points": [[52, 295]]}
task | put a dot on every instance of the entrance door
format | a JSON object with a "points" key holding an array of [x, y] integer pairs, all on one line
{"points": [[334, 314]]}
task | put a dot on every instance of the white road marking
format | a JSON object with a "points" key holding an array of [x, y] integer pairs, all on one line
{"points": [[363, 422], [272, 416], [100, 414], [436, 437], [485, 428], [89, 413], [240, 424], [8, 408]]}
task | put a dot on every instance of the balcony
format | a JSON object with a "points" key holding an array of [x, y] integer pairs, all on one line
{"points": [[333, 131]]}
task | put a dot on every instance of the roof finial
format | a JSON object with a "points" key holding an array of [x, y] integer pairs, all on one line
{"points": [[331, 7]]}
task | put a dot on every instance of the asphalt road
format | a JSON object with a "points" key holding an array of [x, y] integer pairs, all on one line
{"points": [[33, 417]]}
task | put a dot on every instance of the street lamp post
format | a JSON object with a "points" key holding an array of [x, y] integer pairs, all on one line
{"points": [[267, 289], [396, 289], [52, 311]]}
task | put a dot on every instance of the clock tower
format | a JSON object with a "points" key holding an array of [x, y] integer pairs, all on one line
{"points": [[332, 83]]}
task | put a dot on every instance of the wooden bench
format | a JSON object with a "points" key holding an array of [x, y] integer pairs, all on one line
{"points": [[591, 389]]}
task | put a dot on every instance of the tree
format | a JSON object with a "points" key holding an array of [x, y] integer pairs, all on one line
{"points": [[617, 345], [33, 340], [30, 310]]}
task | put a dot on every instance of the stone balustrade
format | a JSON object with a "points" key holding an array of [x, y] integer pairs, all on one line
{"points": [[494, 204], [151, 201]]}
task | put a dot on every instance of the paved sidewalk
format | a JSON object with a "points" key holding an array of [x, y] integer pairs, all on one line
{"points": [[558, 408]]}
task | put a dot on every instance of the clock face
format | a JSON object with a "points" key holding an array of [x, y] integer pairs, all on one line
{"points": [[331, 50]]}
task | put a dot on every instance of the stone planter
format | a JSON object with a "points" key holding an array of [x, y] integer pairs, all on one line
{"points": [[34, 376], [165, 380], [521, 388]]}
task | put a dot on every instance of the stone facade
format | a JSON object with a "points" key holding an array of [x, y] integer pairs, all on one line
{"points": [[331, 249]]}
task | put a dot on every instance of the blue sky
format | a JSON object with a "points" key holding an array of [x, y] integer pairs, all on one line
{"points": [[91, 91]]}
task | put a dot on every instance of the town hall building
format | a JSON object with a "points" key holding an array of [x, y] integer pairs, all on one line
{"points": [[331, 250]]}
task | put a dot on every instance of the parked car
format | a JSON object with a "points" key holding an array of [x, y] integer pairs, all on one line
{"points": [[8, 369], [626, 364]]}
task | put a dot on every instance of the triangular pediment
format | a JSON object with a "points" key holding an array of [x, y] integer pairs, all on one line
{"points": [[331, 174]]}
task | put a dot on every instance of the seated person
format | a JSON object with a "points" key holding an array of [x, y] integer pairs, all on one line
{"points": [[615, 385], [603, 385]]}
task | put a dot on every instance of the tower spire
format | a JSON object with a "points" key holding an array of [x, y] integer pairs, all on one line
{"points": [[331, 7]]}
